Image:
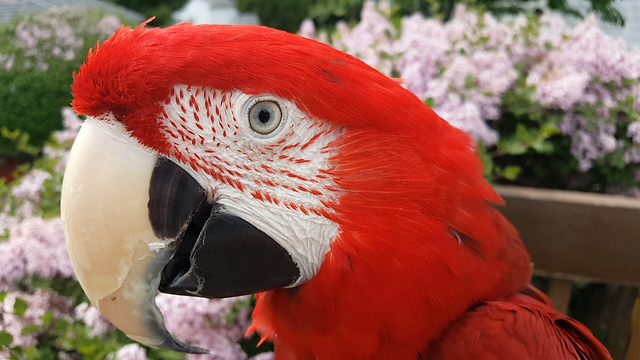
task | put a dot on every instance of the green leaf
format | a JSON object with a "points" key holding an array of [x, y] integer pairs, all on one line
{"points": [[542, 147], [469, 82], [514, 144], [61, 326], [616, 159], [46, 318], [6, 339], [430, 102], [164, 354], [235, 309], [511, 172], [549, 129], [20, 307], [30, 329], [487, 161]]}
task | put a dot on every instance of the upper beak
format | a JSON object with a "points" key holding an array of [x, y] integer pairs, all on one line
{"points": [[136, 222]]}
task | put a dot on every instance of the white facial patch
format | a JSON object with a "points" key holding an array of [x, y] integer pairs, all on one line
{"points": [[278, 181]]}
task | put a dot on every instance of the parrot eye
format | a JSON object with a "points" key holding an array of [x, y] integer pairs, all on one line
{"points": [[265, 116]]}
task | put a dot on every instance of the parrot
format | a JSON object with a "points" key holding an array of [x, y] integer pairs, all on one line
{"points": [[225, 160]]}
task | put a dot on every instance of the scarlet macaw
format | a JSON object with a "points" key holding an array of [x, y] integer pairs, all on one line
{"points": [[219, 160]]}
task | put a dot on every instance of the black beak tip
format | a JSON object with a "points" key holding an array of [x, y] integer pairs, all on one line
{"points": [[176, 345], [186, 284]]}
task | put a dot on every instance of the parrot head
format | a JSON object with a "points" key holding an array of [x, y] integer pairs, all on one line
{"points": [[218, 161]]}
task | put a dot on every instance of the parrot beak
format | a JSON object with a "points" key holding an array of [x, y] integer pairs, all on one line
{"points": [[136, 223]]}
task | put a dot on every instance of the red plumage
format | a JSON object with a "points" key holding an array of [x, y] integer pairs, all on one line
{"points": [[423, 266]]}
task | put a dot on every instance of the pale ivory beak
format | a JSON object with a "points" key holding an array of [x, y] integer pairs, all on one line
{"points": [[116, 255]]}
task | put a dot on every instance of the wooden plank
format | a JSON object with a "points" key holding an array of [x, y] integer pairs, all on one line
{"points": [[577, 235], [560, 293]]}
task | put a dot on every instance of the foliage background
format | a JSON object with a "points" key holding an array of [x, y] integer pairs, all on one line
{"points": [[162, 10], [287, 15]]}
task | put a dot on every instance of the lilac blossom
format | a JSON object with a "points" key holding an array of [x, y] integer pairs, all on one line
{"points": [[201, 322], [264, 356], [131, 352], [466, 116], [56, 34], [633, 132], [423, 47], [31, 185], [92, 318], [369, 40], [64, 139], [38, 303], [573, 76], [307, 29], [35, 247]]}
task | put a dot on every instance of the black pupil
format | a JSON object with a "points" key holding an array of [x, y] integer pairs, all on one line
{"points": [[264, 116]]}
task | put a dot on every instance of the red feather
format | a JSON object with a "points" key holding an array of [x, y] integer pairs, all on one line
{"points": [[518, 327]]}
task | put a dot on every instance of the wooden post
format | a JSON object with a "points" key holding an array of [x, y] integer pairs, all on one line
{"points": [[560, 294], [633, 351]]}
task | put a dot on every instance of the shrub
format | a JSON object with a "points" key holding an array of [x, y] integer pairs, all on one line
{"points": [[36, 66]]}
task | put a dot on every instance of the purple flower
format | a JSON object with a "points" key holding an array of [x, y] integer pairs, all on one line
{"points": [[202, 322], [35, 247], [58, 33], [38, 304], [466, 116], [307, 29], [131, 352], [31, 185], [633, 131], [91, 317], [369, 39], [264, 356], [108, 25]]}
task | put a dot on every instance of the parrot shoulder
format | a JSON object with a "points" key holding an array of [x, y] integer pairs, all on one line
{"points": [[521, 326]]}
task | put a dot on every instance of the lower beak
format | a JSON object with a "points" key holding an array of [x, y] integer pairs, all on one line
{"points": [[136, 222]]}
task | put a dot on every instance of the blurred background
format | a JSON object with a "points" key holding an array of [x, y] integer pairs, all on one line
{"points": [[549, 89]]}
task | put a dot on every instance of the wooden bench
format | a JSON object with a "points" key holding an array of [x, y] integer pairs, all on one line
{"points": [[579, 236]]}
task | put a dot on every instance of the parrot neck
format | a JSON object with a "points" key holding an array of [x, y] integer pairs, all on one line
{"points": [[385, 300]]}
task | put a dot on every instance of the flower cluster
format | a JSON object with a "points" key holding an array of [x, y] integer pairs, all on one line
{"points": [[202, 322], [24, 315], [591, 71], [35, 248], [57, 34], [482, 75]]}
